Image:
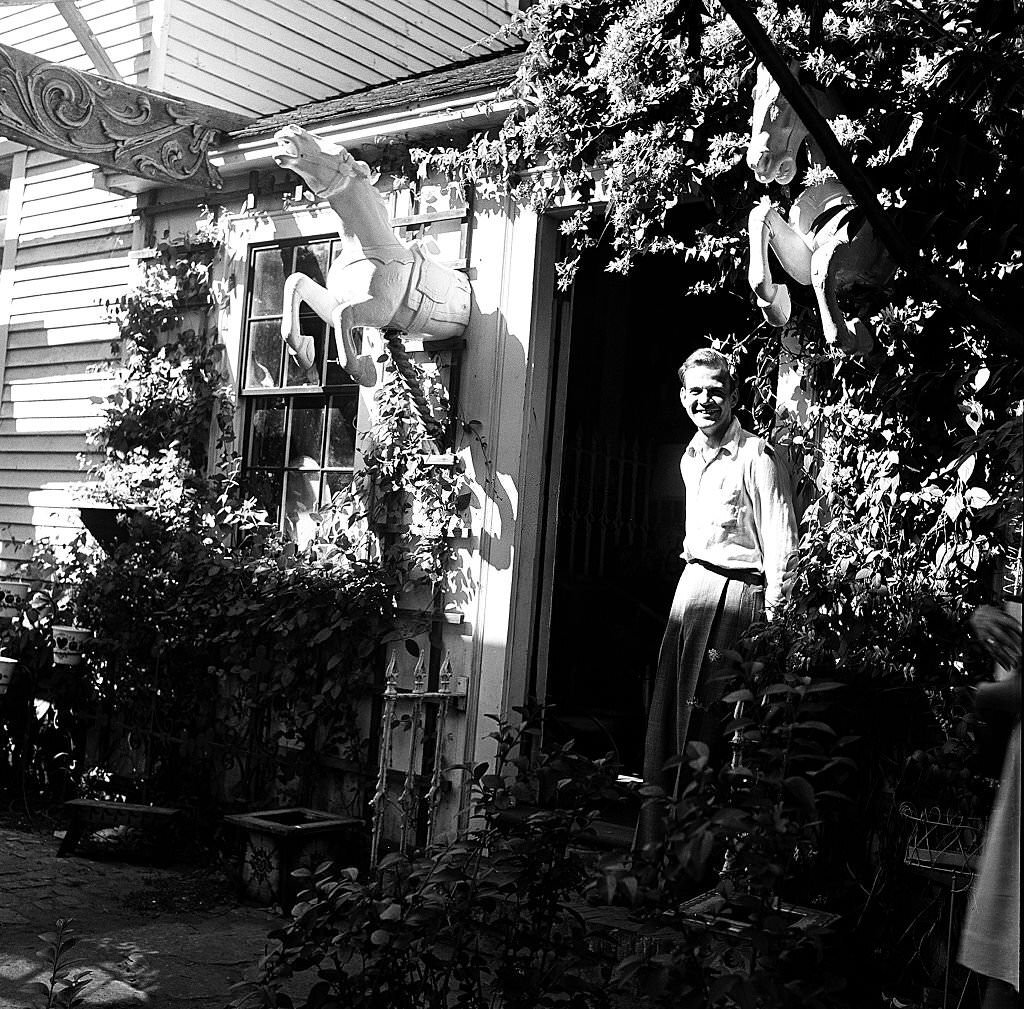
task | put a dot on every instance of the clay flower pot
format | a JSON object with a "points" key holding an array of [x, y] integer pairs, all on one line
{"points": [[68, 643], [13, 596], [7, 666]]}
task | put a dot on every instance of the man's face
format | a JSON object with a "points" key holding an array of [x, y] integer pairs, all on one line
{"points": [[708, 400]]}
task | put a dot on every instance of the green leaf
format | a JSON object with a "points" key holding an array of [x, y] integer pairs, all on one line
{"points": [[820, 686], [977, 497], [737, 696], [816, 726], [801, 790]]}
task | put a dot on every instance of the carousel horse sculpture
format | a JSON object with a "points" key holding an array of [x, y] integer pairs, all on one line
{"points": [[826, 242], [377, 280]]}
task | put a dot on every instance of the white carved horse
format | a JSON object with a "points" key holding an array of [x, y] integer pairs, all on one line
{"points": [[376, 280], [826, 242]]}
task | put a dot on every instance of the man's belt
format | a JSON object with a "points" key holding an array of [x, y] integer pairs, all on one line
{"points": [[748, 575]]}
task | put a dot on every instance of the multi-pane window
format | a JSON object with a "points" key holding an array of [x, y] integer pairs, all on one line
{"points": [[300, 423]]}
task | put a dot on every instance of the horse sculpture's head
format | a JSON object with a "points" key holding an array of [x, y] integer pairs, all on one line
{"points": [[327, 167], [776, 133]]}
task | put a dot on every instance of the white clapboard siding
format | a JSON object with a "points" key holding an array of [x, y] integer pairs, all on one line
{"points": [[27, 336], [41, 479], [44, 394], [87, 275], [72, 258], [94, 213], [70, 404], [50, 424], [68, 360], [35, 522], [17, 466], [51, 497], [65, 250], [123, 28], [257, 56]]}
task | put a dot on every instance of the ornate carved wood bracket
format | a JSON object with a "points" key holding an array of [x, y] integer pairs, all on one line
{"points": [[116, 126]]}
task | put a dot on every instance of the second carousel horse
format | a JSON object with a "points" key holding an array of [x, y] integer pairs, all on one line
{"points": [[826, 242]]}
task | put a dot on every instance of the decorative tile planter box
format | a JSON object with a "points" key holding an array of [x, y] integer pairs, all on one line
{"points": [[278, 841]]}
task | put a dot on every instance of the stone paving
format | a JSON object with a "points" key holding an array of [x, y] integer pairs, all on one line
{"points": [[166, 960]]}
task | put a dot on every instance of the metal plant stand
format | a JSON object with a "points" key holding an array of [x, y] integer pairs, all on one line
{"points": [[946, 848]]}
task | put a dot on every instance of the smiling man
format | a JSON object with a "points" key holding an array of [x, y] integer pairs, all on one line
{"points": [[739, 549]]}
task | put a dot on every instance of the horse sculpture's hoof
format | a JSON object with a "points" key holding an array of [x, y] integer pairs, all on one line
{"points": [[859, 340], [777, 311], [303, 349], [363, 370]]}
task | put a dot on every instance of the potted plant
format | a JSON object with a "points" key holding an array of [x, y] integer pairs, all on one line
{"points": [[68, 643], [7, 667], [13, 594], [57, 566], [13, 597]]}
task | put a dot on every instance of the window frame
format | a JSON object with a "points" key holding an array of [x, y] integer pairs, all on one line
{"points": [[333, 390]]}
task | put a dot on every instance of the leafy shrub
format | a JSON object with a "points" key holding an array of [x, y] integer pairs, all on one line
{"points": [[486, 921], [211, 634]]}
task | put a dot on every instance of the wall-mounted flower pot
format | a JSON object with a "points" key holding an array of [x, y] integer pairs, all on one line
{"points": [[112, 525], [13, 596], [7, 667], [68, 643], [278, 841]]}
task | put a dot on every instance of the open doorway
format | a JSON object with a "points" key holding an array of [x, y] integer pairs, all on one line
{"points": [[614, 517]]}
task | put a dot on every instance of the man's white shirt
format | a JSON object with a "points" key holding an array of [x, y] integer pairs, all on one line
{"points": [[739, 513]]}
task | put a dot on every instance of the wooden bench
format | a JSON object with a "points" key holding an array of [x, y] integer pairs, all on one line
{"points": [[85, 816]]}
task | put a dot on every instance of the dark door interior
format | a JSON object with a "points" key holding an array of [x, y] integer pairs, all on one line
{"points": [[619, 525]]}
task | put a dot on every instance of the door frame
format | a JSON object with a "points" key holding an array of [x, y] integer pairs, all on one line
{"points": [[540, 469]]}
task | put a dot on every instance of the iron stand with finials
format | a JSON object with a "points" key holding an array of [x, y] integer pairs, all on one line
{"points": [[408, 709]]}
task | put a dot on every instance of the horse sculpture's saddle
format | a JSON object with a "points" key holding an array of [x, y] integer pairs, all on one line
{"points": [[436, 294]]}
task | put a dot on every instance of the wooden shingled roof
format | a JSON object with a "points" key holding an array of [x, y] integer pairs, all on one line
{"points": [[480, 74]]}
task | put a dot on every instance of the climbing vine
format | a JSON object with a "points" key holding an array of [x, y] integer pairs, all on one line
{"points": [[408, 493]]}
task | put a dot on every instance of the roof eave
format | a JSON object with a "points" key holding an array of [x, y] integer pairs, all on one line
{"points": [[474, 110]]}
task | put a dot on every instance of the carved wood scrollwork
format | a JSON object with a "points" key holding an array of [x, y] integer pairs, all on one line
{"points": [[116, 126]]}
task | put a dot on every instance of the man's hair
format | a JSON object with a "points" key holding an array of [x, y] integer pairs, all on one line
{"points": [[708, 358]]}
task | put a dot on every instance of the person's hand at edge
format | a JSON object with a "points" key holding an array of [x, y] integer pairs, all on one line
{"points": [[999, 633]]}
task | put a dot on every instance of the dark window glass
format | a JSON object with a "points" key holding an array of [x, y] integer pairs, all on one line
{"points": [[301, 441], [341, 432], [267, 424], [263, 368], [269, 268]]}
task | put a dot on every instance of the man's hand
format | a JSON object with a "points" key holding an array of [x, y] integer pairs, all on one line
{"points": [[999, 633]]}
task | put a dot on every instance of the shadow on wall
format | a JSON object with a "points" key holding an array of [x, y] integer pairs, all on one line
{"points": [[492, 341]]}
